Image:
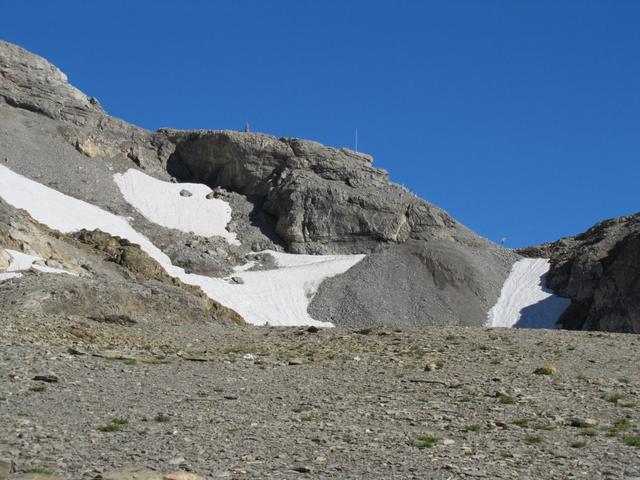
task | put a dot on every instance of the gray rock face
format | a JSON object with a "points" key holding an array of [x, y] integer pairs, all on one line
{"points": [[323, 200], [32, 83], [600, 271]]}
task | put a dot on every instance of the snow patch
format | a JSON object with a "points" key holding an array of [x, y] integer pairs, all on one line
{"points": [[277, 297], [22, 261], [182, 206], [525, 301]]}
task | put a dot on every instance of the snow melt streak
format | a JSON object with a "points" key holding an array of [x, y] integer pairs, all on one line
{"points": [[277, 297], [525, 301]]}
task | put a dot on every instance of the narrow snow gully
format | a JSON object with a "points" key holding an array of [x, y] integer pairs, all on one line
{"points": [[525, 301]]}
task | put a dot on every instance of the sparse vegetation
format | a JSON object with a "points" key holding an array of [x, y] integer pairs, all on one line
{"points": [[475, 427], [632, 440], [37, 470], [520, 422], [544, 426], [506, 399], [589, 432], [161, 418], [578, 444], [531, 439], [619, 426], [38, 388], [114, 426], [426, 441], [110, 427], [546, 370], [615, 397]]}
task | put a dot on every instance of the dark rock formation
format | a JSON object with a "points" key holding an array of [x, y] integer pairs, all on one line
{"points": [[599, 270], [323, 200]]}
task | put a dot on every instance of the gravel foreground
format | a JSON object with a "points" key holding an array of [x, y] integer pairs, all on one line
{"points": [[113, 399]]}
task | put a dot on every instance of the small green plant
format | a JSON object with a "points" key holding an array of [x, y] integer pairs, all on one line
{"points": [[546, 370], [426, 441], [38, 388], [579, 444], [520, 422], [581, 377], [589, 432], [624, 380], [531, 439], [306, 418], [615, 397], [466, 398], [544, 426], [130, 361], [110, 427], [620, 425], [473, 428], [114, 426], [632, 440], [439, 364], [628, 404], [506, 399], [37, 470], [162, 418]]}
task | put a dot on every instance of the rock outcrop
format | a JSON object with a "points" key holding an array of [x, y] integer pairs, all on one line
{"points": [[110, 277], [323, 200], [599, 270]]}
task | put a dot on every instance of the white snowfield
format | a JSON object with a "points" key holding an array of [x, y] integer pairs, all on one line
{"points": [[161, 203], [276, 297], [525, 301], [19, 261]]}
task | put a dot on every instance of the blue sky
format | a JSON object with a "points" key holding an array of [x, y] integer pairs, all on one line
{"points": [[520, 118]]}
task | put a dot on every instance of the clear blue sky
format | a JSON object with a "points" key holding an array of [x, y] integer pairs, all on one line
{"points": [[520, 118]]}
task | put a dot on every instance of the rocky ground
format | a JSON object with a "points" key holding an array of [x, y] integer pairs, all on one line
{"points": [[81, 399]]}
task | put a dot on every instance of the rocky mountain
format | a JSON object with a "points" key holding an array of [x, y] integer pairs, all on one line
{"points": [[270, 230], [144, 275], [599, 270]]}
